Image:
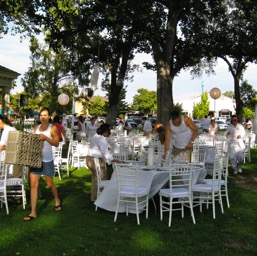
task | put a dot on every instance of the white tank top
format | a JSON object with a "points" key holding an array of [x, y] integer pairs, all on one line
{"points": [[182, 134], [47, 153]]}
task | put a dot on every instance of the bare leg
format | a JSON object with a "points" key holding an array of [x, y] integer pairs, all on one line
{"points": [[34, 180], [51, 185]]}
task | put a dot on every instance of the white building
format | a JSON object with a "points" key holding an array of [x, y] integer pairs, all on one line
{"points": [[223, 106]]}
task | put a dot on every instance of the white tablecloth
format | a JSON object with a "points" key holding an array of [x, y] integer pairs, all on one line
{"points": [[152, 179]]}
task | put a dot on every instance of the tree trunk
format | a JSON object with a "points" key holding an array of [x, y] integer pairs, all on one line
{"points": [[113, 99], [164, 92], [239, 103]]}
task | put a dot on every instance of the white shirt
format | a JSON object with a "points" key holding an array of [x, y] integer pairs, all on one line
{"points": [[91, 129], [182, 134], [234, 132], [82, 132], [5, 132], [99, 148], [47, 153], [147, 126]]}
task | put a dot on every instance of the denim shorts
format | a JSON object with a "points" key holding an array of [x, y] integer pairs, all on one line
{"points": [[46, 169]]}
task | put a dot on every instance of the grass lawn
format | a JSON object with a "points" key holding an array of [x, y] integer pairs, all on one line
{"points": [[80, 230]]}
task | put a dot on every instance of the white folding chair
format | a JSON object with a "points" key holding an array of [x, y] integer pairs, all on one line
{"points": [[15, 187], [67, 160], [247, 150], [198, 157], [129, 192], [3, 192], [224, 179], [101, 184], [180, 189], [77, 159], [210, 192], [57, 155]]}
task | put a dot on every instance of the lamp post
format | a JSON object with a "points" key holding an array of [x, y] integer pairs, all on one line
{"points": [[215, 94]]}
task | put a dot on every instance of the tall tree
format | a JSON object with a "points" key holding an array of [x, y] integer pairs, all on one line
{"points": [[105, 32], [145, 101], [202, 108], [43, 78], [231, 36], [247, 94], [98, 107], [20, 16]]}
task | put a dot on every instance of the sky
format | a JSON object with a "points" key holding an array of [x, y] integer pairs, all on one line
{"points": [[15, 55]]}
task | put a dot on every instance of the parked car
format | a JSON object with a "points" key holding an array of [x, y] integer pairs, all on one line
{"points": [[228, 121], [198, 124], [222, 125], [132, 123]]}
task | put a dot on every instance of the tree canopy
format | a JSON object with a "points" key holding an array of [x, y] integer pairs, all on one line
{"points": [[145, 101], [179, 34]]}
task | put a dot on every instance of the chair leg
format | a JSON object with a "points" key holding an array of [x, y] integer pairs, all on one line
{"points": [[170, 212], [154, 204], [226, 191], [161, 213], [221, 203], [213, 206], [192, 209], [117, 210]]}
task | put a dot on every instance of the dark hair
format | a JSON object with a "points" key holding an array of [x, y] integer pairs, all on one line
{"points": [[92, 118], [233, 117], [45, 109], [103, 128], [57, 119], [174, 115], [5, 119], [144, 118], [81, 119]]}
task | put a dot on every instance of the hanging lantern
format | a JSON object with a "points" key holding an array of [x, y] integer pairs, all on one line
{"points": [[95, 76], [63, 99], [215, 93]]}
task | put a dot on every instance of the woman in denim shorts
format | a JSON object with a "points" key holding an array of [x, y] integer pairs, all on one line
{"points": [[47, 133]]}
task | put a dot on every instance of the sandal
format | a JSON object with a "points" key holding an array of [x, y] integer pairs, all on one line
{"points": [[29, 218], [58, 208]]}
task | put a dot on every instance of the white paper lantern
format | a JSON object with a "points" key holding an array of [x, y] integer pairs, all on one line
{"points": [[95, 76], [63, 99], [215, 93]]}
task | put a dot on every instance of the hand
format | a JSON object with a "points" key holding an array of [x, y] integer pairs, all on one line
{"points": [[41, 136], [190, 145]]}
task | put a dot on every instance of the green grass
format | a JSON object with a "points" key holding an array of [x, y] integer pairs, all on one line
{"points": [[80, 230]]}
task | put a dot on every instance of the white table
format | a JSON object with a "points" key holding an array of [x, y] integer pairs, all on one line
{"points": [[153, 179]]}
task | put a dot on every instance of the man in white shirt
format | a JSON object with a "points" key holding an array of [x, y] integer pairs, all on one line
{"points": [[99, 148], [147, 127]]}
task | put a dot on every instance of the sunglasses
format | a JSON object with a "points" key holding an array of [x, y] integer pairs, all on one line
{"points": [[234, 120]]}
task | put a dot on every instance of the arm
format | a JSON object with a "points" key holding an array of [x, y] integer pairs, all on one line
{"points": [[189, 122], [167, 139]]}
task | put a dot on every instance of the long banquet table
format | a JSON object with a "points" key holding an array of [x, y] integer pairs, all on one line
{"points": [[152, 178]]}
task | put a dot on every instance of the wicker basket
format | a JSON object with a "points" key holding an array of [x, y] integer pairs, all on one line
{"points": [[23, 148]]}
